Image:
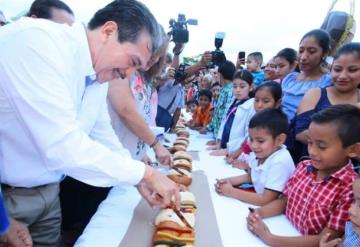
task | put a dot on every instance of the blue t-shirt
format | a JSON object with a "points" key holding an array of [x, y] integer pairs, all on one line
{"points": [[258, 77], [4, 220], [294, 90]]}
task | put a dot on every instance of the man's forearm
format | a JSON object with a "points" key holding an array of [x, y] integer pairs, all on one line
{"points": [[176, 117]]}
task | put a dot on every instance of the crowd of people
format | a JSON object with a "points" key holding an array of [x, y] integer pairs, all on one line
{"points": [[79, 105]]}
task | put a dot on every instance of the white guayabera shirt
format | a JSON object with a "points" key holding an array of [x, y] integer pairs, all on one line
{"points": [[51, 125]]}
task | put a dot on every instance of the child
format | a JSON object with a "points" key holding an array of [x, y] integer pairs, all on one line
{"points": [[316, 199], [267, 96], [191, 106], [253, 64], [215, 90], [235, 123], [202, 114], [352, 227], [226, 71], [272, 164], [286, 62]]}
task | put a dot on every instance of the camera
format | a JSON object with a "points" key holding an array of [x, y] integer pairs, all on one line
{"points": [[179, 31], [218, 56], [180, 74]]}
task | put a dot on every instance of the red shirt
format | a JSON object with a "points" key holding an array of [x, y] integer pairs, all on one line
{"points": [[313, 205]]}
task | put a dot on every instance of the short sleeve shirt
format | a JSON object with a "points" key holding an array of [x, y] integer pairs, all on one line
{"points": [[273, 173], [224, 101], [313, 205], [294, 90], [166, 94]]}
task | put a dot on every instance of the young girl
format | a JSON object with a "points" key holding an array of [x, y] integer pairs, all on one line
{"points": [[267, 96], [345, 75], [234, 126], [352, 227], [272, 164], [286, 62]]}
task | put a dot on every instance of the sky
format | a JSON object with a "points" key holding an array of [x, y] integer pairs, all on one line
{"points": [[250, 25]]}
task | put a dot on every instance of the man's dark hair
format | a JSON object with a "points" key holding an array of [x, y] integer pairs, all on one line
{"points": [[346, 119], [205, 92], [192, 101], [42, 8], [132, 17], [227, 70], [273, 120]]}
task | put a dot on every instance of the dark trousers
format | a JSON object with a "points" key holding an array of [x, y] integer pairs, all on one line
{"points": [[79, 202]]}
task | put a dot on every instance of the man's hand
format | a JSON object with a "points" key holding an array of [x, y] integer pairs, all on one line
{"points": [[206, 58], [159, 189], [179, 47], [17, 236], [170, 73], [163, 155]]}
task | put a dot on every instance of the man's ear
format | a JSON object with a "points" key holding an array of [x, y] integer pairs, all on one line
{"points": [[354, 150], [108, 29], [280, 139]]}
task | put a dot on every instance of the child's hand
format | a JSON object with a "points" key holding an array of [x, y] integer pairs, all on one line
{"points": [[211, 143], [257, 226], [219, 152], [228, 158], [324, 241], [240, 164], [202, 131], [225, 188]]}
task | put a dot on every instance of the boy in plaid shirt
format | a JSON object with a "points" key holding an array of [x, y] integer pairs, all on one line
{"points": [[318, 196]]}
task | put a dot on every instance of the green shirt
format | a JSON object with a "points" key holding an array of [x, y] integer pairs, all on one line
{"points": [[224, 101]]}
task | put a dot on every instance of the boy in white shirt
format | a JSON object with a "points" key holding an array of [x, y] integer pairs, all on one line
{"points": [[271, 165]]}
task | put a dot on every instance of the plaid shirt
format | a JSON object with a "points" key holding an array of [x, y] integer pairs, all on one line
{"points": [[313, 205], [223, 103]]}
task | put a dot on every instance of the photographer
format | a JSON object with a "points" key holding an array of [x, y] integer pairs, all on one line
{"points": [[171, 92]]}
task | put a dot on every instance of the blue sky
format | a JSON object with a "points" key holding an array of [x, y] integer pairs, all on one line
{"points": [[250, 25]]}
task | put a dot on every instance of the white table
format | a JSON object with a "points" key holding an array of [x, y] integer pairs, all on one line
{"points": [[108, 226]]}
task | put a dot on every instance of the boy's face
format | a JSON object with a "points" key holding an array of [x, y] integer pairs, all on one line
{"points": [[192, 108], [263, 144], [251, 64], [204, 101], [354, 211], [215, 92], [325, 148]]}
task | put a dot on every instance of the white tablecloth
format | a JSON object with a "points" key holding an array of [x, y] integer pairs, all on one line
{"points": [[108, 226]]}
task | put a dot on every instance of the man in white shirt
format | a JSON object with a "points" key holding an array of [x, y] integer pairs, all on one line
{"points": [[43, 68]]}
